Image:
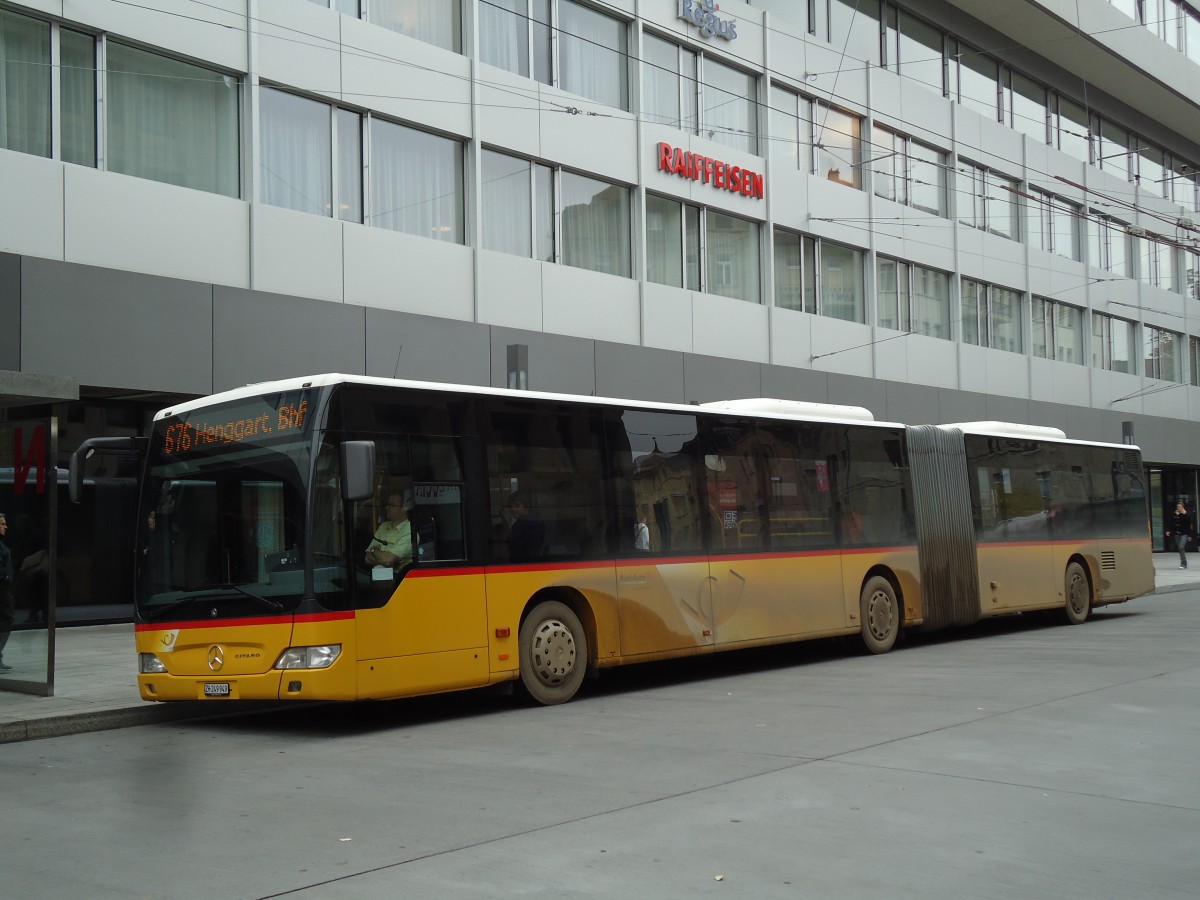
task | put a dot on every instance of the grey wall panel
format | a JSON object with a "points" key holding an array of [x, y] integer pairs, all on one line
{"points": [[10, 312], [260, 337], [116, 329], [959, 406], [401, 345], [784, 383], [1006, 409], [912, 404], [566, 365], [709, 378], [851, 390], [639, 373]]}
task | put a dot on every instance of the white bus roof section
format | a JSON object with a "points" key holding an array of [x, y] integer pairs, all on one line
{"points": [[794, 409], [783, 409], [1011, 429]]}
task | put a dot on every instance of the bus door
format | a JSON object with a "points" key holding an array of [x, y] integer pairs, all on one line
{"points": [[664, 588], [421, 612], [774, 570], [1012, 481]]}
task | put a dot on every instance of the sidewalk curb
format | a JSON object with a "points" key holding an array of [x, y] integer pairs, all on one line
{"points": [[127, 717]]}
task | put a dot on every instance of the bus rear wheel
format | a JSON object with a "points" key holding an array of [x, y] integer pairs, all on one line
{"points": [[880, 612], [1079, 595], [553, 647]]}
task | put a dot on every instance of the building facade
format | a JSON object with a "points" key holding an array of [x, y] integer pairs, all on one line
{"points": [[940, 211]]}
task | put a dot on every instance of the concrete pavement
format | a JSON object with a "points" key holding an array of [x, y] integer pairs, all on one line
{"points": [[95, 681]]}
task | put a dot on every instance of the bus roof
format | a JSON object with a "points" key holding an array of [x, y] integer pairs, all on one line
{"points": [[764, 407], [1028, 432]]}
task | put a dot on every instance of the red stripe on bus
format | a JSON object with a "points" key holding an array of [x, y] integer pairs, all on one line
{"points": [[333, 616]]}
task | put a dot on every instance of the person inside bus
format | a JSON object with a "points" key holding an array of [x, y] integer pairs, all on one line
{"points": [[391, 547], [527, 534], [7, 614], [1180, 524]]}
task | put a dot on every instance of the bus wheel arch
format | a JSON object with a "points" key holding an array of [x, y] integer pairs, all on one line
{"points": [[554, 641], [1077, 583], [881, 610]]}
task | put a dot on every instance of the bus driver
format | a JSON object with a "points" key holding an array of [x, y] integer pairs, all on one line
{"points": [[391, 546]]}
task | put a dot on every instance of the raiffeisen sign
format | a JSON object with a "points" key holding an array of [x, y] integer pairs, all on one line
{"points": [[703, 14], [707, 170]]}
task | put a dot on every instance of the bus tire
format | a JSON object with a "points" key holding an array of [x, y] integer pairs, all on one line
{"points": [[880, 611], [1079, 594], [554, 653]]}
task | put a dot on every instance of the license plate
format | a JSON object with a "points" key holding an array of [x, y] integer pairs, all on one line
{"points": [[216, 689]]}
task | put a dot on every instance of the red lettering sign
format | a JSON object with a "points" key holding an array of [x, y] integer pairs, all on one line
{"points": [[715, 172]]}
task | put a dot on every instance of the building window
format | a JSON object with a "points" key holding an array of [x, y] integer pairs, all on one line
{"points": [[25, 88], [349, 7], [837, 145], [300, 139], [1194, 360], [701, 249], [1161, 353], [913, 298], [987, 200], [907, 171], [171, 121], [435, 22], [1026, 107], [1191, 275], [819, 276], [1155, 262], [917, 50], [695, 93], [1057, 331], [1113, 150], [791, 129], [77, 82], [416, 182], [517, 206], [975, 81], [854, 28], [515, 35], [1072, 129], [1108, 244], [991, 316], [1054, 225], [595, 224], [1112, 343]]}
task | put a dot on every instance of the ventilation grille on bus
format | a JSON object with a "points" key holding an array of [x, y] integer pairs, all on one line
{"points": [[1108, 559]]}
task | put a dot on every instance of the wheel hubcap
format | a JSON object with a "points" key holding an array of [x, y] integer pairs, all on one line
{"points": [[553, 652], [1078, 594], [880, 615]]}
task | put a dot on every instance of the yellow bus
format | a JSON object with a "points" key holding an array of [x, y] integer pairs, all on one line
{"points": [[343, 537]]}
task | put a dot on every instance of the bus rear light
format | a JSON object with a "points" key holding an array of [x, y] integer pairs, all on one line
{"points": [[149, 664], [320, 657]]}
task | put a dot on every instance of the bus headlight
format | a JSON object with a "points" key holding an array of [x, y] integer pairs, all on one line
{"points": [[149, 664], [309, 657]]}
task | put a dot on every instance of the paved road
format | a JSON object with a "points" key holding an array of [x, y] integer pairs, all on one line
{"points": [[1016, 759]]}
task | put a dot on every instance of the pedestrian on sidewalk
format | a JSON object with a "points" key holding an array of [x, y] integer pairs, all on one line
{"points": [[7, 616], [1180, 524]]}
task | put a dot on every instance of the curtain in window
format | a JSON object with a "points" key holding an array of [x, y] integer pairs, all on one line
{"points": [[886, 154], [838, 154], [927, 172], [1005, 307], [78, 83], [1039, 344], [732, 256], [1068, 333], [171, 121], [972, 303], [931, 303], [504, 35], [432, 21], [416, 182], [789, 284], [892, 277], [506, 207], [842, 294], [543, 212], [789, 130], [664, 241], [349, 165], [729, 116], [1002, 209], [296, 165], [660, 67], [595, 225], [25, 86], [591, 54]]}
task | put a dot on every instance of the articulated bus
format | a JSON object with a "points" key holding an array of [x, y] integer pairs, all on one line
{"points": [[543, 537]]}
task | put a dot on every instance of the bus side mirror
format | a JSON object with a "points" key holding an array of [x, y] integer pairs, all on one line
{"points": [[358, 470], [103, 445]]}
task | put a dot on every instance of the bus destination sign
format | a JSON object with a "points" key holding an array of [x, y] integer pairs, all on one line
{"points": [[253, 422]]}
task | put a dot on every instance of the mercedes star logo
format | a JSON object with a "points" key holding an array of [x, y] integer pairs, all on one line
{"points": [[216, 657]]}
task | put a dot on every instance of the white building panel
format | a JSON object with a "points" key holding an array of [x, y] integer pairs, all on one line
{"points": [[391, 270], [589, 304], [509, 109], [667, 317], [730, 329], [843, 347], [510, 290], [296, 253], [299, 45], [155, 228], [213, 32], [33, 184]]}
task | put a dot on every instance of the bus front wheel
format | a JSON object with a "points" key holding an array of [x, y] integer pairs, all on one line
{"points": [[553, 648], [1079, 595], [880, 611]]}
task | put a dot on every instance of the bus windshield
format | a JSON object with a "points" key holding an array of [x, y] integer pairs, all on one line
{"points": [[223, 508]]}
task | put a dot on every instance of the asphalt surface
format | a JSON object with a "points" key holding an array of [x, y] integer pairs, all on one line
{"points": [[95, 681]]}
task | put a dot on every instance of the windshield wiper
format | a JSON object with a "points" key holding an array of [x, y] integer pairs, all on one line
{"points": [[266, 602]]}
